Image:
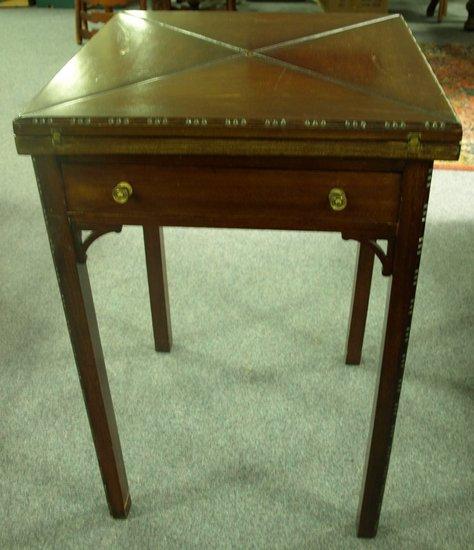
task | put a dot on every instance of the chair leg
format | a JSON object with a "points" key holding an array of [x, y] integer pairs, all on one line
{"points": [[158, 286], [431, 8], [469, 24], [360, 304], [441, 10], [85, 22], [78, 22]]}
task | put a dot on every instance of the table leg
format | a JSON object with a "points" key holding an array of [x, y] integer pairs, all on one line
{"points": [[76, 295], [157, 283], [401, 298], [360, 303]]}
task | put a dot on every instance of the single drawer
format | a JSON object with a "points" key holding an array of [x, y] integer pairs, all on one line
{"points": [[228, 197]]}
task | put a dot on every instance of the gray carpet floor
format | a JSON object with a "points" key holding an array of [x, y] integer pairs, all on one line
{"points": [[252, 432]]}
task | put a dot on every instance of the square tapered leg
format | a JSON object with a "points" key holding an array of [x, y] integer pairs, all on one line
{"points": [[360, 304], [158, 287], [401, 298], [76, 295]]}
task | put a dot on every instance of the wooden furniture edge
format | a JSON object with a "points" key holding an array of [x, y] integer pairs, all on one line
{"points": [[72, 145]]}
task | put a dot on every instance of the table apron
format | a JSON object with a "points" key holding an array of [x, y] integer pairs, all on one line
{"points": [[234, 198]]}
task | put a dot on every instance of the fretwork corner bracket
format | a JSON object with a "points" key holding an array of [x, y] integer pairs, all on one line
{"points": [[83, 245], [386, 258]]}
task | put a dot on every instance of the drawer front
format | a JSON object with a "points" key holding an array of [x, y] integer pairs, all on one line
{"points": [[224, 197]]}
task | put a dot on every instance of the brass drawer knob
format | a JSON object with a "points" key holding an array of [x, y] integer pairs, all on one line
{"points": [[337, 199], [122, 192]]}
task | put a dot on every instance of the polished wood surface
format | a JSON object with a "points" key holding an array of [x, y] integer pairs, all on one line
{"points": [[320, 78], [158, 285], [74, 285], [399, 313], [263, 198], [252, 123], [360, 303]]}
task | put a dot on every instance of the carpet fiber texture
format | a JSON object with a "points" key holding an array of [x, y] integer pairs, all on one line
{"points": [[454, 67], [252, 432]]}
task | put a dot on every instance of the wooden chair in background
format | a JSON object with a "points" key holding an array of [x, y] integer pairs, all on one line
{"points": [[96, 11], [100, 11], [442, 10], [193, 4]]}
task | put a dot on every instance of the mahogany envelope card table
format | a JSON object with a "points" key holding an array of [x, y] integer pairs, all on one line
{"points": [[325, 122]]}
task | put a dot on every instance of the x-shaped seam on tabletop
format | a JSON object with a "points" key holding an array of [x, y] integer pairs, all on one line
{"points": [[261, 54]]}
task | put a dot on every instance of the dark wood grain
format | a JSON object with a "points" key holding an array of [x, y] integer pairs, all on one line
{"points": [[250, 123], [266, 83], [158, 285], [360, 303], [297, 162], [351, 148], [78, 305], [401, 297], [206, 196]]}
